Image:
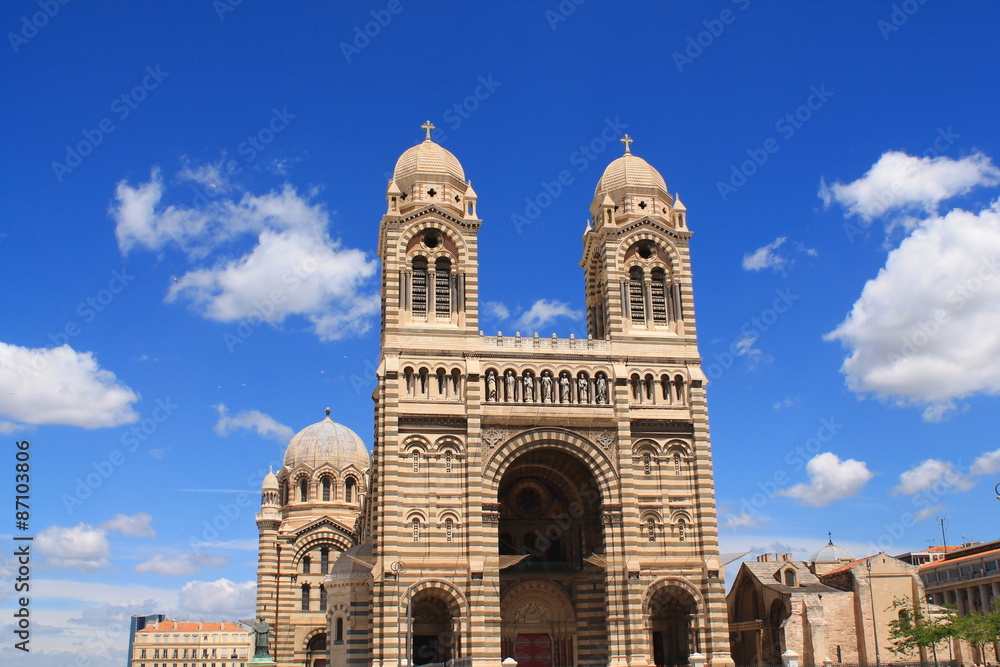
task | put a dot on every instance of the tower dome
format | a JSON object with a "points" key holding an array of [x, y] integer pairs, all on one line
{"points": [[628, 172], [427, 159], [327, 442]]}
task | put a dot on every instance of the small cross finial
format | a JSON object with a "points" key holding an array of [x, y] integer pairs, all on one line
{"points": [[627, 140], [829, 536], [328, 412], [427, 126]]}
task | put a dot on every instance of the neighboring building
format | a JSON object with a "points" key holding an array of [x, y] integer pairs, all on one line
{"points": [[137, 623], [930, 554], [186, 644], [546, 499], [821, 609], [968, 579]]}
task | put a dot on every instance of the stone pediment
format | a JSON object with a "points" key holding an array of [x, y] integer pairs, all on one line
{"points": [[324, 523]]}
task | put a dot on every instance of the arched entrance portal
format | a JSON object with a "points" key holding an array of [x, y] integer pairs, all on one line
{"points": [[672, 622], [553, 605], [432, 628], [316, 651]]}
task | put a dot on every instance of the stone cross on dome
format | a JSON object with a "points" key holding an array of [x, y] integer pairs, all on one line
{"points": [[627, 140], [427, 126]]}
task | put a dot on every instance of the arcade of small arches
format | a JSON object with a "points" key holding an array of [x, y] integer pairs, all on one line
{"points": [[660, 389], [429, 284], [326, 485], [445, 453], [546, 386]]}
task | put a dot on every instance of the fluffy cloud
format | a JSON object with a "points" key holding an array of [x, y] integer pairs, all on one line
{"points": [[768, 257], [496, 309], [742, 520], [108, 614], [61, 386], [931, 474], [987, 464], [899, 182], [543, 312], [294, 268], [137, 525], [185, 564], [81, 546], [219, 598], [830, 479], [265, 425], [925, 331]]}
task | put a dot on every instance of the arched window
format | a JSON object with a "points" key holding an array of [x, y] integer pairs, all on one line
{"points": [[447, 461], [338, 632], [647, 463], [677, 464], [681, 530], [303, 489], [416, 529], [305, 597], [790, 577], [324, 560], [636, 296], [416, 460], [651, 529], [679, 388], [349, 490], [326, 489], [658, 294], [418, 298], [322, 597], [442, 286], [306, 564], [449, 527]]}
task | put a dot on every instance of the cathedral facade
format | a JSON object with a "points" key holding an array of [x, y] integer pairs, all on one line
{"points": [[545, 499]]}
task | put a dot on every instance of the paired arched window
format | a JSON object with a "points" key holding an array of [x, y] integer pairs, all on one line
{"points": [[303, 489], [442, 286], [324, 560], [418, 290], [322, 597], [326, 489], [306, 564], [636, 294], [305, 597], [349, 485]]}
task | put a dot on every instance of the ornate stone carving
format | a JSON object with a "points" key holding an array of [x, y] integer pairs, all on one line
{"points": [[606, 439], [493, 436], [532, 612]]}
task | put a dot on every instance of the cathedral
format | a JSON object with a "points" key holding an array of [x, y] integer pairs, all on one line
{"points": [[549, 500]]}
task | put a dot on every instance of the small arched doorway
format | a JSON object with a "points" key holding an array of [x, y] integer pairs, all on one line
{"points": [[433, 638], [776, 616], [316, 651], [673, 631]]}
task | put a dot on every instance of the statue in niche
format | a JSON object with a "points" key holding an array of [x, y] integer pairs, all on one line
{"points": [[261, 630], [564, 388], [582, 391], [546, 382], [491, 387], [602, 389], [508, 380], [529, 388]]}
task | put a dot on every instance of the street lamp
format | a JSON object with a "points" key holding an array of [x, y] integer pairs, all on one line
{"points": [[871, 592]]}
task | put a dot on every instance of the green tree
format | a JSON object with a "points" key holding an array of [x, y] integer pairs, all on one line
{"points": [[978, 629], [913, 629]]}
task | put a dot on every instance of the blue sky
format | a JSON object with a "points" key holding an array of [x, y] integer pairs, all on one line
{"points": [[166, 164]]}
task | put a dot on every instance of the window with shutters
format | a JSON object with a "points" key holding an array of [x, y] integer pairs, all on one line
{"points": [[442, 286], [418, 297], [636, 298], [658, 294]]}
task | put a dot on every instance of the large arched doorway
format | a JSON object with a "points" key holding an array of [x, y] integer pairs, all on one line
{"points": [[549, 527], [672, 623], [432, 628], [772, 646], [316, 651]]}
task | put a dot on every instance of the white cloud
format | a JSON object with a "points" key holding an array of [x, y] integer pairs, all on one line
{"points": [[925, 331], [61, 386], [81, 546], [744, 347], [543, 311], [112, 614], [765, 257], [786, 403], [900, 182], [137, 525], [185, 564], [221, 598], [496, 310], [265, 425], [986, 464], [742, 520], [928, 512], [931, 474], [830, 479], [294, 269]]}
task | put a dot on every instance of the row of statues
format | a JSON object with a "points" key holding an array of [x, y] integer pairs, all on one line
{"points": [[550, 389]]}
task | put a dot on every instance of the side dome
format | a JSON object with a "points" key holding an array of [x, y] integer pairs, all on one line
{"points": [[627, 172], [831, 553], [327, 442]]}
